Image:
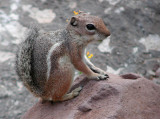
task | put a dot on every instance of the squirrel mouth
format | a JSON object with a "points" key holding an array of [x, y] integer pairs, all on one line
{"points": [[100, 40]]}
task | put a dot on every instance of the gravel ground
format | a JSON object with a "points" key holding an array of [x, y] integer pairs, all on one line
{"points": [[134, 45]]}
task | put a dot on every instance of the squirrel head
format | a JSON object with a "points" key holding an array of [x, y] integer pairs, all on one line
{"points": [[90, 28]]}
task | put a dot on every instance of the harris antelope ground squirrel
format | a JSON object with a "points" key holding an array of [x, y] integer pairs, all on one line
{"points": [[46, 61]]}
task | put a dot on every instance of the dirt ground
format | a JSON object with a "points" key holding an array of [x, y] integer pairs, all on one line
{"points": [[134, 44]]}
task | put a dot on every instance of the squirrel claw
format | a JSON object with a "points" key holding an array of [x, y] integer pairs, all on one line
{"points": [[107, 76], [102, 77]]}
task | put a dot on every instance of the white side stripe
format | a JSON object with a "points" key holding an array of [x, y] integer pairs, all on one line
{"points": [[49, 58]]}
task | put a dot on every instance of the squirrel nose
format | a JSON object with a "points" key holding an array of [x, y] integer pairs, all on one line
{"points": [[107, 33]]}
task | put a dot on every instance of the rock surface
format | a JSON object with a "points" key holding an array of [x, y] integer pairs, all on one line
{"points": [[127, 97]]}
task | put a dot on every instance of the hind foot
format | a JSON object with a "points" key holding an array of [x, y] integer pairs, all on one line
{"points": [[73, 94]]}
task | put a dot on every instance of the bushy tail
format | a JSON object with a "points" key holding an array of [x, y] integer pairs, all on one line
{"points": [[23, 61]]}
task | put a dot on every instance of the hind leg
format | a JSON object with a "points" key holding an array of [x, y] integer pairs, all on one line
{"points": [[59, 92], [61, 84]]}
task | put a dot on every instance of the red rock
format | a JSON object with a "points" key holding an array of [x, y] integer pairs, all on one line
{"points": [[117, 98]]}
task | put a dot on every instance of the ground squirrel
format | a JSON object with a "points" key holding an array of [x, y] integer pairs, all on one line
{"points": [[46, 61]]}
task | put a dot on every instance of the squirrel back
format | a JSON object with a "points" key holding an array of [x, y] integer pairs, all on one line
{"points": [[24, 59]]}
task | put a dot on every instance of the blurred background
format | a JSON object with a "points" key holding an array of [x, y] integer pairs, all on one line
{"points": [[134, 44]]}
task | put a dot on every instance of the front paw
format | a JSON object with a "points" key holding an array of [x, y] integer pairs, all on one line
{"points": [[100, 71], [99, 76], [102, 77], [106, 75]]}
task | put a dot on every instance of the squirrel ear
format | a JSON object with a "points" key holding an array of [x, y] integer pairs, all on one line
{"points": [[73, 21]]}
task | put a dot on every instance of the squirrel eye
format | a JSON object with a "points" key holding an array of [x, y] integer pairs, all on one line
{"points": [[90, 27]]}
